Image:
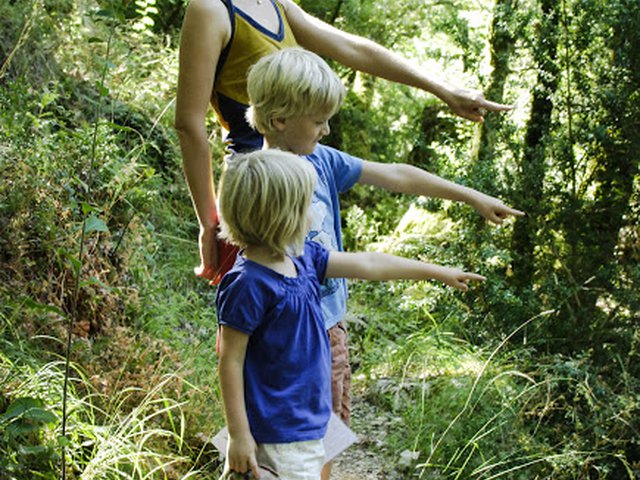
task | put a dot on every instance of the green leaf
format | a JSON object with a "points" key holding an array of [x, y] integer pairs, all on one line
{"points": [[95, 224], [33, 304], [47, 98], [96, 281], [26, 415], [40, 415], [63, 441], [34, 450], [86, 208], [76, 264], [19, 407], [106, 12], [18, 428]]}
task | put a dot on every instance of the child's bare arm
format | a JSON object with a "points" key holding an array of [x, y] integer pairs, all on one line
{"points": [[402, 178], [242, 447], [382, 266]]}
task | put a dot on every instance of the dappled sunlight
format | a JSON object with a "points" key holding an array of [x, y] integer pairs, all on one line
{"points": [[427, 354], [417, 227]]}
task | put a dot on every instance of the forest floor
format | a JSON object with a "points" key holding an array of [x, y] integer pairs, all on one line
{"points": [[371, 457]]}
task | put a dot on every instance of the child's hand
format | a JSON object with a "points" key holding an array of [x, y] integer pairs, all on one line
{"points": [[493, 209], [241, 454], [456, 278]]}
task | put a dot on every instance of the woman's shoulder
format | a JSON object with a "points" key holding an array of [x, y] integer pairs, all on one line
{"points": [[206, 28], [209, 8]]}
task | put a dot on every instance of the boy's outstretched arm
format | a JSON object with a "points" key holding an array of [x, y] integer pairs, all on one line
{"points": [[403, 178], [383, 266], [241, 451]]}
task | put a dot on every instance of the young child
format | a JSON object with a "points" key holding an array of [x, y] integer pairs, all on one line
{"points": [[293, 94], [275, 357]]}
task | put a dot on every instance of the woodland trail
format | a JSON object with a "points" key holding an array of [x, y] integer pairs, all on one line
{"points": [[370, 457]]}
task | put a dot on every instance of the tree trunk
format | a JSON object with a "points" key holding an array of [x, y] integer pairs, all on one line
{"points": [[502, 46], [532, 167]]}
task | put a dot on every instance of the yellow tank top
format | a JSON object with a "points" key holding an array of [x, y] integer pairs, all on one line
{"points": [[249, 42]]}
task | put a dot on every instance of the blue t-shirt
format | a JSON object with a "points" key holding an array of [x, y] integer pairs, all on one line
{"points": [[337, 172], [287, 368]]}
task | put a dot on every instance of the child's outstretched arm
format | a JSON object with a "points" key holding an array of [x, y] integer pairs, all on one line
{"points": [[383, 266], [241, 452], [402, 178]]}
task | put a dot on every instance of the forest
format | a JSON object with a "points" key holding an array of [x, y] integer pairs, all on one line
{"points": [[107, 339]]}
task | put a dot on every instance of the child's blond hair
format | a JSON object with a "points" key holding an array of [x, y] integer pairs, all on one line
{"points": [[264, 200], [288, 83]]}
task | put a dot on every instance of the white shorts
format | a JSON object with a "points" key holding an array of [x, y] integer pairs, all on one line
{"points": [[291, 461]]}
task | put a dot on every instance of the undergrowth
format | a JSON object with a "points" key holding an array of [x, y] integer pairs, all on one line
{"points": [[81, 163], [506, 410]]}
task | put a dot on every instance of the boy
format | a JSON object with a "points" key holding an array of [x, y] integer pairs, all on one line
{"points": [[275, 366], [293, 93]]}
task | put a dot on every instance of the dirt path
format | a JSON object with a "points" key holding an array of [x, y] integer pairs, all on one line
{"points": [[369, 458]]}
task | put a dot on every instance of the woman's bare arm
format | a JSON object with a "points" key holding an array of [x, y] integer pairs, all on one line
{"points": [[205, 32], [367, 56]]}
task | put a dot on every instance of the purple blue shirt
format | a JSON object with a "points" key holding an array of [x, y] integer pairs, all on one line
{"points": [[287, 369]]}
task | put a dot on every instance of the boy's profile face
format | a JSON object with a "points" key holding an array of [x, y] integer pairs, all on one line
{"points": [[301, 133]]}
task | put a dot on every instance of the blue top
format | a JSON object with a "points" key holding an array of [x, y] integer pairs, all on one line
{"points": [[337, 172], [287, 368]]}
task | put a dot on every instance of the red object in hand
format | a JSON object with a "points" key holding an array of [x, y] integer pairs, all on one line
{"points": [[226, 258]]}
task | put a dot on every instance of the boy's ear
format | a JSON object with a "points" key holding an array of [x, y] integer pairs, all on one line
{"points": [[279, 123]]}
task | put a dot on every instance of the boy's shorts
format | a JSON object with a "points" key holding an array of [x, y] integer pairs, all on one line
{"points": [[286, 461], [340, 372]]}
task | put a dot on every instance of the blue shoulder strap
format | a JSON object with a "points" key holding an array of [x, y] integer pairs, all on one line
{"points": [[225, 51]]}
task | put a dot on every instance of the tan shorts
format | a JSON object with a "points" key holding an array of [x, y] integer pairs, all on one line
{"points": [[340, 372]]}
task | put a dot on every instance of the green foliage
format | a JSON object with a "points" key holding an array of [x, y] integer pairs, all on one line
{"points": [[29, 26], [25, 449], [148, 17], [477, 413], [381, 23], [85, 154], [106, 439]]}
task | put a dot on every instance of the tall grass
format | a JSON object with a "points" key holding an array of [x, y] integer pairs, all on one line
{"points": [[103, 441], [128, 448], [507, 412]]}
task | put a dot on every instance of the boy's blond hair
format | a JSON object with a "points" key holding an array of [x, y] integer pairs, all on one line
{"points": [[291, 82], [264, 200]]}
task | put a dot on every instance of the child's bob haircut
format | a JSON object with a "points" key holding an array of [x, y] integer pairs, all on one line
{"points": [[264, 200], [291, 82]]}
